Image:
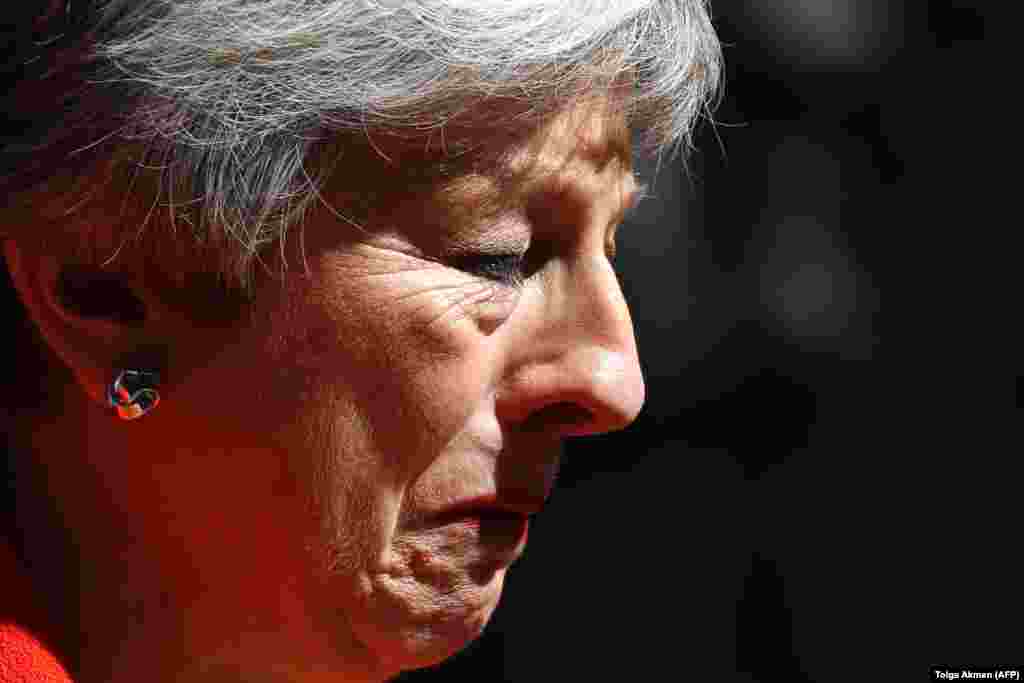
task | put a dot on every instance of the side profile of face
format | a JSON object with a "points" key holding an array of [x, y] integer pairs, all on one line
{"points": [[282, 512]]}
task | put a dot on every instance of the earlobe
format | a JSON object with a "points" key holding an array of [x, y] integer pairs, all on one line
{"points": [[85, 327]]}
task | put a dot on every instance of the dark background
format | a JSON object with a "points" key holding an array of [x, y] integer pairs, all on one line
{"points": [[807, 495], [817, 487]]}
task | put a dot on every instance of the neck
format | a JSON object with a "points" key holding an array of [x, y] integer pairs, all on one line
{"points": [[126, 595], [97, 619], [36, 558]]}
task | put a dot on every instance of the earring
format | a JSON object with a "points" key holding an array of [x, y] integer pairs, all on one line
{"points": [[133, 393]]}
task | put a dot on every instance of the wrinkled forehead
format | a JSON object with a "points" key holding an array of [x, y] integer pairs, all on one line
{"points": [[570, 151], [585, 138]]}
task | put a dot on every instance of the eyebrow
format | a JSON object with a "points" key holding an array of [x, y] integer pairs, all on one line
{"points": [[495, 184]]}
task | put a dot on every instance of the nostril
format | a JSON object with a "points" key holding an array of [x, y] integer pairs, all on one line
{"points": [[558, 415]]}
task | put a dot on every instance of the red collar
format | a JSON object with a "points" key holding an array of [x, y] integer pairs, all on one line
{"points": [[24, 658]]}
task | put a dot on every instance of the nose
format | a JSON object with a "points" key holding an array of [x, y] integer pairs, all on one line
{"points": [[574, 369]]}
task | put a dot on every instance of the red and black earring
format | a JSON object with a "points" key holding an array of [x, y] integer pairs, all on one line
{"points": [[133, 393]]}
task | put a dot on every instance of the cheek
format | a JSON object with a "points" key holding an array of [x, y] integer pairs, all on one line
{"points": [[356, 372], [405, 351]]}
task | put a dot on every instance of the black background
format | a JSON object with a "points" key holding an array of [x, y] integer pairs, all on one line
{"points": [[817, 488]]}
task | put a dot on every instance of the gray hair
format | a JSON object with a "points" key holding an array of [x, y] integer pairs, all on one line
{"points": [[229, 97]]}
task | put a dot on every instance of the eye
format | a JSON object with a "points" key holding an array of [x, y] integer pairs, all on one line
{"points": [[508, 269]]}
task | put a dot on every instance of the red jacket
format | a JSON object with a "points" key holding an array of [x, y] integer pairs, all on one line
{"points": [[24, 657]]}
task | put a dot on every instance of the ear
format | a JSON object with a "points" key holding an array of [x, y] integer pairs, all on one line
{"points": [[95, 321]]}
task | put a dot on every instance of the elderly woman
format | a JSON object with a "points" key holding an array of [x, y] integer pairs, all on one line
{"points": [[319, 287]]}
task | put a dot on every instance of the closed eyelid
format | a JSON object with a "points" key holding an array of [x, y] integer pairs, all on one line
{"points": [[505, 219]]}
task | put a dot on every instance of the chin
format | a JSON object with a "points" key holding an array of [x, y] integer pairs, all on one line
{"points": [[413, 627]]}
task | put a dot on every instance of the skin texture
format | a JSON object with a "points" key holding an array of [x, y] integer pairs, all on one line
{"points": [[272, 519]]}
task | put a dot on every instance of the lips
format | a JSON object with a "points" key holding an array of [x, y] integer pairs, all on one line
{"points": [[494, 524], [492, 506], [480, 516]]}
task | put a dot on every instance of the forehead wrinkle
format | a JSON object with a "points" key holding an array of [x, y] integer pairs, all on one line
{"points": [[562, 158], [565, 147], [473, 202]]}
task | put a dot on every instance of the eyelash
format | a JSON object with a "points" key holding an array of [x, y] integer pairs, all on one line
{"points": [[508, 269]]}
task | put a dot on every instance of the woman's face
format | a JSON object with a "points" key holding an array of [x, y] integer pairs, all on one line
{"points": [[300, 467]]}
